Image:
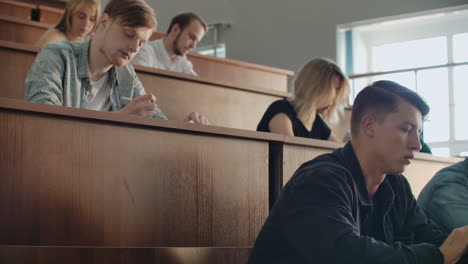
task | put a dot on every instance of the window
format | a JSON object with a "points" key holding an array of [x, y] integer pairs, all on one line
{"points": [[212, 43], [426, 52]]}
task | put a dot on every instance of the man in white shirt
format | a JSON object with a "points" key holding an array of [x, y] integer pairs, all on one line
{"points": [[169, 53]]}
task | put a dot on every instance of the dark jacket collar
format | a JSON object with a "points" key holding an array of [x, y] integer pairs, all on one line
{"points": [[385, 192]]}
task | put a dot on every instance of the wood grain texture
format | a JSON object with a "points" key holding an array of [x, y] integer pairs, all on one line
{"points": [[418, 173], [256, 77], [294, 156], [83, 255], [21, 30], [223, 70], [16, 9], [73, 182], [13, 76], [222, 106], [178, 94], [421, 171], [50, 15]]}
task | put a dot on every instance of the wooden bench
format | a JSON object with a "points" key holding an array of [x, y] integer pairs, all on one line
{"points": [[100, 255], [225, 104], [295, 151], [238, 72], [74, 177], [21, 31], [16, 9]]}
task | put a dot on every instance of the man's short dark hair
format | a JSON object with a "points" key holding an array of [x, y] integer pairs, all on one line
{"points": [[381, 98], [184, 19]]}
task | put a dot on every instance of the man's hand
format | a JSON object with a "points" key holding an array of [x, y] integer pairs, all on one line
{"points": [[455, 246], [196, 117], [141, 106]]}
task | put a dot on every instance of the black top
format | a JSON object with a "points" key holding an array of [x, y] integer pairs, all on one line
{"points": [[320, 130], [325, 215]]}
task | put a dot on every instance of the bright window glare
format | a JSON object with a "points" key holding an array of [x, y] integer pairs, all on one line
{"points": [[409, 54], [460, 47], [407, 79], [433, 86], [460, 79], [441, 152]]}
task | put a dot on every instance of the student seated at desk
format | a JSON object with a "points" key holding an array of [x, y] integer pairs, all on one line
{"points": [[445, 198], [95, 74], [77, 22], [353, 205], [319, 89], [170, 52]]}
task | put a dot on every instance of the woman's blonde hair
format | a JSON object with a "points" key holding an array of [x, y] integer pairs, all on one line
{"points": [[64, 23], [314, 83]]}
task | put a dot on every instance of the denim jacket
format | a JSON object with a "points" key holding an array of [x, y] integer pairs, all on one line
{"points": [[59, 76], [325, 215], [445, 197]]}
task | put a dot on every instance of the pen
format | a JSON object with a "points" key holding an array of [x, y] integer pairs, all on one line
{"points": [[126, 99]]}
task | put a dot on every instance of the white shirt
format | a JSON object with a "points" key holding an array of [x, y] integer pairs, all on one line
{"points": [[154, 54], [99, 97]]}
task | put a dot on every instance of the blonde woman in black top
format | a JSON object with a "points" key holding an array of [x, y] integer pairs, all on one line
{"points": [[320, 88]]}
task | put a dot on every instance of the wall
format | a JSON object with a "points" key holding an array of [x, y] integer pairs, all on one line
{"points": [[286, 34]]}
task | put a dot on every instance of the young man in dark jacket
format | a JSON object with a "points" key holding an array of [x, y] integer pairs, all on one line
{"points": [[353, 205]]}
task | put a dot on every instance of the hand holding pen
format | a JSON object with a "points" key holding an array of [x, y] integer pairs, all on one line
{"points": [[144, 105]]}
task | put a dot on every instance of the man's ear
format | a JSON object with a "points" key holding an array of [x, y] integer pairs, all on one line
{"points": [[368, 125], [104, 21], [175, 29]]}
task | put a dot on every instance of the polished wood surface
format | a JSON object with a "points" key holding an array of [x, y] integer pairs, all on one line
{"points": [[17, 58], [51, 3], [240, 72], [237, 72], [16, 9], [83, 255], [74, 177], [423, 168], [50, 15], [217, 69], [21, 30], [225, 104], [296, 151]]}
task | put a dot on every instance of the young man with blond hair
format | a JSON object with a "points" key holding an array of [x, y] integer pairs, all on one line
{"points": [[95, 74]]}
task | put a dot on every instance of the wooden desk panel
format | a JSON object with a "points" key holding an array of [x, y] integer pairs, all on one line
{"points": [[21, 30], [178, 94], [241, 72], [295, 154], [418, 173], [423, 168], [82, 255], [18, 61], [226, 107], [50, 15], [216, 69], [16, 9], [87, 182]]}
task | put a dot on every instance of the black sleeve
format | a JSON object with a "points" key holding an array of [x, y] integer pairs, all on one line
{"points": [[424, 229], [416, 222], [316, 219], [280, 106]]}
